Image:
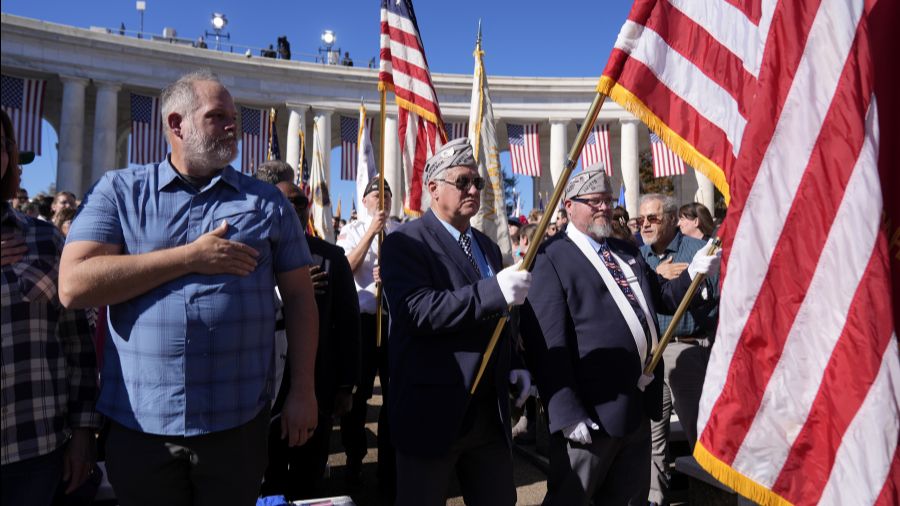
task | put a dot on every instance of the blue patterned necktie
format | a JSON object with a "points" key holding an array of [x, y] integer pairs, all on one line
{"points": [[466, 244]]}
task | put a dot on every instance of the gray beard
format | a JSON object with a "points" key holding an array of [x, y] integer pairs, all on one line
{"points": [[209, 152], [599, 232]]}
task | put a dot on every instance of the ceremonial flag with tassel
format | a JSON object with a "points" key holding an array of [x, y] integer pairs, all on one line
{"points": [[319, 201], [274, 152], [404, 70], [491, 217], [776, 103], [365, 162]]}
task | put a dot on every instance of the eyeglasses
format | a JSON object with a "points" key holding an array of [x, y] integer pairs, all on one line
{"points": [[463, 183], [652, 219], [595, 203]]}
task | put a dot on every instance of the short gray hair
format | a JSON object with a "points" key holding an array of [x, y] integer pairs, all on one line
{"points": [[180, 97], [669, 205], [274, 172]]}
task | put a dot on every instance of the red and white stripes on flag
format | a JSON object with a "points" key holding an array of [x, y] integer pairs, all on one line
{"points": [[775, 102], [349, 148], [457, 129], [23, 102], [524, 149], [254, 138], [596, 148], [148, 142], [404, 70], [665, 161]]}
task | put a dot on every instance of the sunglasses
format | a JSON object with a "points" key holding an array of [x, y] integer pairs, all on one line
{"points": [[463, 183], [653, 219], [595, 203]]}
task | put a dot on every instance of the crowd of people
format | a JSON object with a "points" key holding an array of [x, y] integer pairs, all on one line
{"points": [[184, 322]]}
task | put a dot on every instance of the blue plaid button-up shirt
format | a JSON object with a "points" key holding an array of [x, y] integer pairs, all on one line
{"points": [[193, 355]]}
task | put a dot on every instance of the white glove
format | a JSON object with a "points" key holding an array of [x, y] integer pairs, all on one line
{"points": [[645, 380], [579, 433], [705, 264], [521, 379], [514, 284]]}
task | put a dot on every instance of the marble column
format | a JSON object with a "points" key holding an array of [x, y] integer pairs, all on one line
{"points": [[706, 194], [105, 122], [631, 176], [296, 124], [322, 132], [558, 148], [393, 173], [70, 165]]}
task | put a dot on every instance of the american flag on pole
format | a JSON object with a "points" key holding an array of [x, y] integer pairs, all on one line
{"points": [[457, 130], [404, 71], [148, 142], [524, 149], [349, 148], [254, 138], [776, 103], [596, 148], [665, 161], [23, 102]]}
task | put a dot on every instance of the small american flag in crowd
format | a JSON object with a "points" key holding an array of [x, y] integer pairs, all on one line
{"points": [[23, 101], [148, 143], [524, 149], [596, 148], [349, 135], [665, 162], [457, 130], [254, 137]]}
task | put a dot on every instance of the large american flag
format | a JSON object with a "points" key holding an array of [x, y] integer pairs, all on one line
{"points": [[148, 142], [457, 129], [524, 149], [665, 161], [23, 102], [596, 148], [775, 102], [349, 148], [254, 138], [404, 71]]}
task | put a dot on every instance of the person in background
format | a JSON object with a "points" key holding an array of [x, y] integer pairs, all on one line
{"points": [[187, 254], [562, 219], [619, 225], [49, 367], [63, 219], [63, 200], [694, 220], [20, 199]]}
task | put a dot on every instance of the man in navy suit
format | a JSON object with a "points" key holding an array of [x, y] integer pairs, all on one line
{"points": [[589, 330], [446, 291]]}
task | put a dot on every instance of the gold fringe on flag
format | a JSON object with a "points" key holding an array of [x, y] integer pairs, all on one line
{"points": [[737, 481], [681, 147]]}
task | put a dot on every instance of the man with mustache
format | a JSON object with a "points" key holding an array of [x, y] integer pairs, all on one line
{"points": [[589, 332], [446, 291], [186, 254]]}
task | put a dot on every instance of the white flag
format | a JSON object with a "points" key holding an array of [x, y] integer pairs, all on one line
{"points": [[491, 218], [365, 163], [320, 202]]}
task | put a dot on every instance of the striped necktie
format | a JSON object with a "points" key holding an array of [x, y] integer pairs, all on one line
{"points": [[613, 267], [466, 244]]}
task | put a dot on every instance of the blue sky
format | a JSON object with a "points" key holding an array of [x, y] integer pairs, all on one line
{"points": [[522, 38]]}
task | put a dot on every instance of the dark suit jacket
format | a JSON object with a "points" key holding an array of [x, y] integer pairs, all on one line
{"points": [[581, 351], [338, 353], [442, 317]]}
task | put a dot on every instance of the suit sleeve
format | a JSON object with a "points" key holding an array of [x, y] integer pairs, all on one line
{"points": [[410, 286], [346, 322], [547, 346]]}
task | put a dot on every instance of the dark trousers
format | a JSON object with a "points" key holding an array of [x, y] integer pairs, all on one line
{"points": [[610, 470], [32, 481], [481, 458], [297, 472], [223, 467], [353, 424]]}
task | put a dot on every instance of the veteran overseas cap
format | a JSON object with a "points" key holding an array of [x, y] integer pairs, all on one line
{"points": [[590, 180], [373, 186], [455, 153]]}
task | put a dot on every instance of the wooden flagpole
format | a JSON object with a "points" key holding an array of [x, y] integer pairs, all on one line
{"points": [[378, 290]]}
